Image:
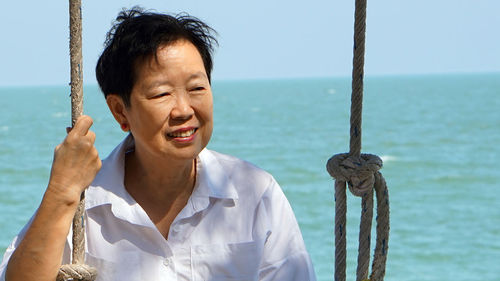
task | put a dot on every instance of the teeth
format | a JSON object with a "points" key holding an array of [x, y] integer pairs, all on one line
{"points": [[183, 134]]}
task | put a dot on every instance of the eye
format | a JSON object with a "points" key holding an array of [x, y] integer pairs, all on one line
{"points": [[198, 89], [161, 95]]}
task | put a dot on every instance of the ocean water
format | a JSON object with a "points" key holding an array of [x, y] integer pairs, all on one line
{"points": [[438, 136]]}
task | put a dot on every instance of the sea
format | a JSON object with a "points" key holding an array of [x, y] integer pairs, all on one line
{"points": [[438, 135]]}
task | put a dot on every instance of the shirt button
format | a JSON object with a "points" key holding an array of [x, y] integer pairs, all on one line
{"points": [[166, 262]]}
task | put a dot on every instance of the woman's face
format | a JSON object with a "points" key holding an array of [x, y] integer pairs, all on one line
{"points": [[171, 106]]}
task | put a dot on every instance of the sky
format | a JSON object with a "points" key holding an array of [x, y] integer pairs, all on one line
{"points": [[268, 39]]}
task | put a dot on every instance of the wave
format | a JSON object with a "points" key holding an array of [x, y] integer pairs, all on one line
{"points": [[388, 158]]}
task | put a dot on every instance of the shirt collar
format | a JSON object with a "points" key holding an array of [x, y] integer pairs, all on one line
{"points": [[212, 181], [107, 187]]}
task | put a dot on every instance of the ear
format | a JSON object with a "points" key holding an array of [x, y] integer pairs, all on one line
{"points": [[118, 109]]}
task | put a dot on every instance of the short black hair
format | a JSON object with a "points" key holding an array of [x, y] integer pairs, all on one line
{"points": [[137, 34]]}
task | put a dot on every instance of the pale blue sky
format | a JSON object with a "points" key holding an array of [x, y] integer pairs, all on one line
{"points": [[269, 39]]}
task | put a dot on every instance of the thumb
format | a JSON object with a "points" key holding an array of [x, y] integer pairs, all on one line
{"points": [[82, 125]]}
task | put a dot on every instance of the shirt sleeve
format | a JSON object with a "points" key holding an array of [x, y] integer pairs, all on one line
{"points": [[6, 257], [285, 257], [12, 247]]}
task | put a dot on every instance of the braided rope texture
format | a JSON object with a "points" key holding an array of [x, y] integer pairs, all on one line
{"points": [[365, 227], [340, 230], [78, 239], [75, 50], [357, 77], [383, 227], [76, 272], [362, 176], [360, 172]]}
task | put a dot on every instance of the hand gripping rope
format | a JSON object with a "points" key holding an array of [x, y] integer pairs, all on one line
{"points": [[77, 270]]}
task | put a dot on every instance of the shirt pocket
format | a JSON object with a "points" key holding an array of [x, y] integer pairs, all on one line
{"points": [[127, 268], [226, 262]]}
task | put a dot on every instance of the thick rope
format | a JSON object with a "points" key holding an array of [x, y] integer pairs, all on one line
{"points": [[77, 270], [380, 256], [365, 228], [360, 176], [357, 77], [360, 172], [75, 50], [340, 230]]}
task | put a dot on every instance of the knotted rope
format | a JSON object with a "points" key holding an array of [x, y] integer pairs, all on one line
{"points": [[360, 172], [77, 270]]}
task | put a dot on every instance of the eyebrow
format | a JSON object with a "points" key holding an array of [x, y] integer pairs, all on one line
{"points": [[199, 74], [161, 82], [157, 83]]}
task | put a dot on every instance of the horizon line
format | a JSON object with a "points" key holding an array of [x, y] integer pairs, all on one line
{"points": [[263, 79]]}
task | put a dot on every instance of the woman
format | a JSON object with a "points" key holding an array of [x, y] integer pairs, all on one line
{"points": [[162, 206]]}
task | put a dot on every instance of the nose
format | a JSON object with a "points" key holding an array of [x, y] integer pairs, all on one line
{"points": [[182, 108]]}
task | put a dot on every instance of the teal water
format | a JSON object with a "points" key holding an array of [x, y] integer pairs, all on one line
{"points": [[438, 137]]}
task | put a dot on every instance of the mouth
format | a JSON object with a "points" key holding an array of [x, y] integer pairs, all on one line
{"points": [[183, 133]]}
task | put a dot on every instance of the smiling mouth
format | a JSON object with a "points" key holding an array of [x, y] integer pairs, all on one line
{"points": [[182, 134]]}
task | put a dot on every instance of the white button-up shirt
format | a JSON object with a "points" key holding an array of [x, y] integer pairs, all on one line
{"points": [[237, 225]]}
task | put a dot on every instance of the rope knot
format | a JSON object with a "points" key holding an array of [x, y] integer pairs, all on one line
{"points": [[358, 172], [80, 272]]}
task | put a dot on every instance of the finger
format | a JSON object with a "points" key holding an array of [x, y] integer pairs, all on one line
{"points": [[82, 125], [91, 136]]}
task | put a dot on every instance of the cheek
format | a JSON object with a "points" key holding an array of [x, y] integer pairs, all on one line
{"points": [[207, 117], [210, 112], [208, 133], [206, 109], [148, 119]]}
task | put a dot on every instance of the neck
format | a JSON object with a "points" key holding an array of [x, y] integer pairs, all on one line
{"points": [[155, 179]]}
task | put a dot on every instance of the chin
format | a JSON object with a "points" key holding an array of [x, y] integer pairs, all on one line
{"points": [[186, 153]]}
